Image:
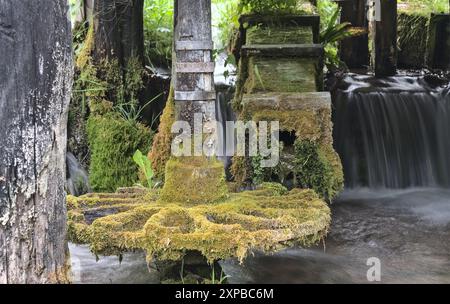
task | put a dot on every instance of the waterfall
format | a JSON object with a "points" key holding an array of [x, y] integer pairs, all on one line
{"points": [[224, 113], [392, 133], [77, 182]]}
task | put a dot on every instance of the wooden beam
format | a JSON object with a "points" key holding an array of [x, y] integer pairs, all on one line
{"points": [[285, 50]]}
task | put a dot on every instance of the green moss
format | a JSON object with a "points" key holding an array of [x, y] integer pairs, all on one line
{"points": [[313, 163], [84, 57], [281, 75], [318, 168], [241, 170], [88, 89], [268, 219], [277, 7], [161, 149], [113, 141], [99, 88], [279, 35], [306, 124], [240, 84], [194, 180]]}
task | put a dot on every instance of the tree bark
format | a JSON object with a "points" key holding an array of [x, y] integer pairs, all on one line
{"points": [[35, 88], [85, 12], [119, 30]]}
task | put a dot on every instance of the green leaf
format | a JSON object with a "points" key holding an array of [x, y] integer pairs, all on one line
{"points": [[145, 166]]}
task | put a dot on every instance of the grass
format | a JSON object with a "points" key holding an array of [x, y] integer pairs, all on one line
{"points": [[424, 7]]}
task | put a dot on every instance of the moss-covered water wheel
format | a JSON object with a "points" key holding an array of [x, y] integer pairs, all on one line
{"points": [[219, 225]]}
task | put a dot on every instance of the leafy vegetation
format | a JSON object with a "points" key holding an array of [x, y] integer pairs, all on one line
{"points": [[331, 31], [225, 21], [158, 31], [132, 111]]}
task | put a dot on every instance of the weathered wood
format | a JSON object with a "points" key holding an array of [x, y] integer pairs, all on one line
{"points": [[384, 39], [119, 31], [287, 101], [194, 45], [35, 88], [194, 95], [284, 50], [85, 11], [289, 21], [193, 68], [354, 51], [285, 20]]}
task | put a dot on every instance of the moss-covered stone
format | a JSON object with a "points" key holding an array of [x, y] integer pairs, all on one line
{"points": [[161, 149], [113, 141], [318, 167], [312, 163], [194, 180]]}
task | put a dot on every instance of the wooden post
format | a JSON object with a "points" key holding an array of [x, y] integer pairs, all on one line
{"points": [[88, 10], [354, 51], [119, 30], [384, 38], [193, 65], [35, 88]]}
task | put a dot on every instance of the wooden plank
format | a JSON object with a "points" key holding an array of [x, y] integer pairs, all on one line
{"points": [[195, 67], [195, 95], [285, 20], [287, 101], [284, 50], [194, 45]]}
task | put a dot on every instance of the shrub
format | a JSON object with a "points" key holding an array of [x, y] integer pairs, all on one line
{"points": [[113, 141]]}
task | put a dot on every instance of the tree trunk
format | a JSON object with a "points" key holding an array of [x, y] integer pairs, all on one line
{"points": [[193, 65], [384, 39], [354, 51], [85, 11], [119, 30], [88, 10], [35, 88]]}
